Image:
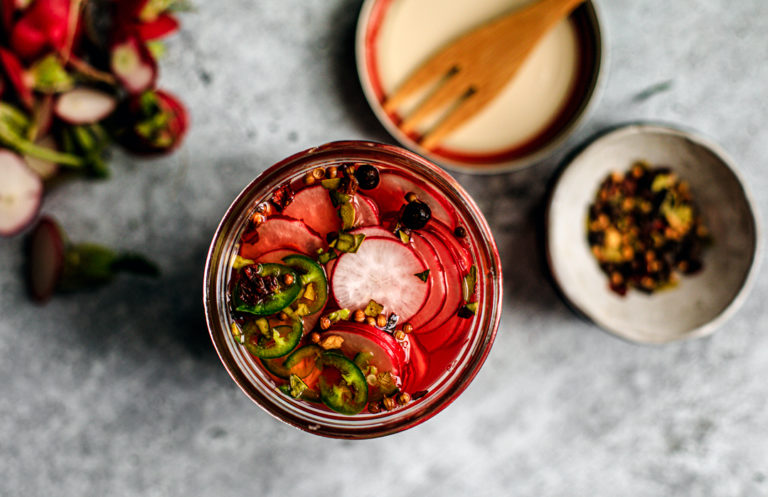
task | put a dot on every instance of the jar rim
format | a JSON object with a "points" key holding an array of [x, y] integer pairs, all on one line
{"points": [[312, 419]]}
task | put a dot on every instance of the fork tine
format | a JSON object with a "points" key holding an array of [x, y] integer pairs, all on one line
{"points": [[434, 69], [467, 108], [450, 91]]}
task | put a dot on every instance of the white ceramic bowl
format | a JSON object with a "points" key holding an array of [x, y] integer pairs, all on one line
{"points": [[700, 303], [430, 28]]}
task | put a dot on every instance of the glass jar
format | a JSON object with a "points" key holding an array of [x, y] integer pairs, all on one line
{"points": [[250, 375]]}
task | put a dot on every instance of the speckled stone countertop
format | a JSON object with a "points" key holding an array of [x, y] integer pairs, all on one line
{"points": [[119, 392]]}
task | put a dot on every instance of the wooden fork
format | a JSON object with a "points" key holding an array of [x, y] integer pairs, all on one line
{"points": [[476, 67]]}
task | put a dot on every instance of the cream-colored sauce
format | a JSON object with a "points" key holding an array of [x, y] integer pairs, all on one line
{"points": [[414, 29]]}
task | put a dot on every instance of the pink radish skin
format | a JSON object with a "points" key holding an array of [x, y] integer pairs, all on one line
{"points": [[21, 191], [383, 270], [283, 233], [458, 248], [374, 231], [84, 106], [133, 64], [45, 259], [161, 27], [366, 212]]}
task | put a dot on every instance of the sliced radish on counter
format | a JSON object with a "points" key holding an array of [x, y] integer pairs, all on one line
{"points": [[313, 206], [282, 233], [21, 191], [383, 270], [45, 259], [390, 196], [84, 106], [386, 353], [133, 64]]}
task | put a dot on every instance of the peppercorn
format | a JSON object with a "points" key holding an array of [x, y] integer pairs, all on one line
{"points": [[358, 316], [314, 337], [288, 279], [367, 176], [258, 218], [460, 232], [407, 327], [309, 179], [411, 197], [318, 173], [381, 320], [325, 323], [370, 321], [332, 172], [399, 335], [403, 398], [374, 407], [389, 403], [283, 316]]}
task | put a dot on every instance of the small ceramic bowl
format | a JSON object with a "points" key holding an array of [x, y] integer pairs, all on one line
{"points": [[532, 116], [699, 303]]}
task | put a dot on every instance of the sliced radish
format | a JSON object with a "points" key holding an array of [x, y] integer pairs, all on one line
{"points": [[21, 192], [390, 196], [44, 168], [366, 212], [443, 335], [275, 256], [458, 248], [45, 259], [84, 106], [15, 73], [133, 64], [418, 368], [452, 297], [283, 233], [313, 206], [42, 116], [383, 270], [436, 280], [388, 355], [374, 231]]}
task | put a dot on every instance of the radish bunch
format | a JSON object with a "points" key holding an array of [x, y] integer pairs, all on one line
{"points": [[75, 76]]}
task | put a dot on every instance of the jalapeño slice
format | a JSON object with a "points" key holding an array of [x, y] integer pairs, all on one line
{"points": [[274, 302], [342, 384], [277, 367], [311, 273], [277, 342]]}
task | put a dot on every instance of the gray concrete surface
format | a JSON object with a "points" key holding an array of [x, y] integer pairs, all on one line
{"points": [[119, 393]]}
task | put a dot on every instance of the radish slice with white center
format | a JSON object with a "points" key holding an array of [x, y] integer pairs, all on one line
{"points": [[45, 259], [133, 64], [383, 270], [21, 192], [84, 106]]}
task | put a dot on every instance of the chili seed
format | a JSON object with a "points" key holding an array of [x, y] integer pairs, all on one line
{"points": [[325, 323]]}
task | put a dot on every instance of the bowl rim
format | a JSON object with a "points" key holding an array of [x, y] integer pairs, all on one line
{"points": [[595, 91], [696, 138]]}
